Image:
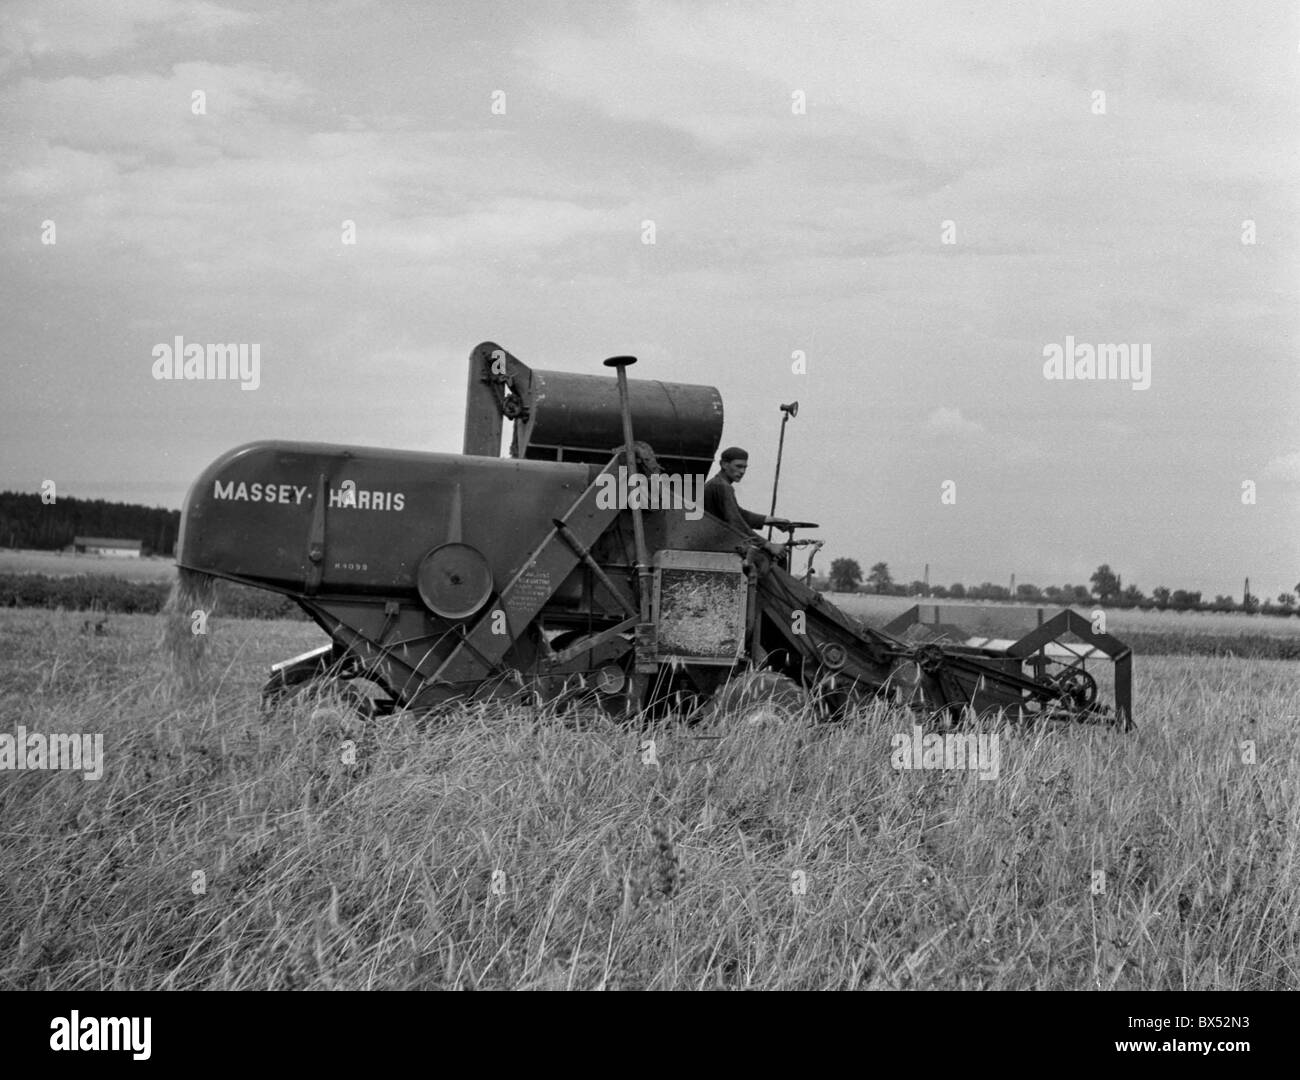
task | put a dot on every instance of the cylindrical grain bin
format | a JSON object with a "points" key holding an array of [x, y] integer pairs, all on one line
{"points": [[576, 418]]}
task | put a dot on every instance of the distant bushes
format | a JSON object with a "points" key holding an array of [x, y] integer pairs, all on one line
{"points": [[100, 592], [1248, 646], [82, 593]]}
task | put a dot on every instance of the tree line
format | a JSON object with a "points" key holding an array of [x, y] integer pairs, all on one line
{"points": [[26, 521], [1105, 588]]}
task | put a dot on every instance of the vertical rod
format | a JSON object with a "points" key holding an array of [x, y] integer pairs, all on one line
{"points": [[780, 448], [638, 527], [643, 664]]}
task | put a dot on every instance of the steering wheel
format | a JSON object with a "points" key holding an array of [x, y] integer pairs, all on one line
{"points": [[788, 528]]}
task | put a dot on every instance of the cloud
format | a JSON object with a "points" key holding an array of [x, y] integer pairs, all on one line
{"points": [[949, 421], [146, 118], [518, 228], [35, 30], [128, 168], [1286, 467], [1008, 447]]}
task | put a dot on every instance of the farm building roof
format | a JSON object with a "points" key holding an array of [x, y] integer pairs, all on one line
{"points": [[105, 541]]}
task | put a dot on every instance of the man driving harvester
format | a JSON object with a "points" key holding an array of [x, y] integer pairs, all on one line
{"points": [[720, 501]]}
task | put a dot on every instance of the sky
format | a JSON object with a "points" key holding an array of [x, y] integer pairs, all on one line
{"points": [[889, 212]]}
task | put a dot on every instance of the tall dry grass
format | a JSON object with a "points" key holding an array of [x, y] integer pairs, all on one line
{"points": [[516, 848]]}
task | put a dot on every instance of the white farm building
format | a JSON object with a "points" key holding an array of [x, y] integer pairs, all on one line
{"points": [[101, 545]]}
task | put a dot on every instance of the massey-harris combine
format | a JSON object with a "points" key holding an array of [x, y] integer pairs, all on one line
{"points": [[583, 565]]}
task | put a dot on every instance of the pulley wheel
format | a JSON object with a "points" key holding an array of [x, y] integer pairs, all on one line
{"points": [[454, 580], [1078, 687], [834, 655], [610, 679]]}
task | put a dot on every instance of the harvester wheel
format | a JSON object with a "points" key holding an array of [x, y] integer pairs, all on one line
{"points": [[758, 697], [1078, 687]]}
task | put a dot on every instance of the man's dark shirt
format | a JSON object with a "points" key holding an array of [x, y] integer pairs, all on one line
{"points": [[720, 501]]}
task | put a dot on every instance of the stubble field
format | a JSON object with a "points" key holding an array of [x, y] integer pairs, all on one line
{"points": [[512, 848]]}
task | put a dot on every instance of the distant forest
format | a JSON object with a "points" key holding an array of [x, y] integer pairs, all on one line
{"points": [[27, 522]]}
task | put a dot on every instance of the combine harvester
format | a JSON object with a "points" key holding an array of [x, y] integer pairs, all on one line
{"points": [[583, 565]]}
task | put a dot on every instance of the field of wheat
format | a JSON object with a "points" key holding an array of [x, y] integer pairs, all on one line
{"points": [[516, 848]]}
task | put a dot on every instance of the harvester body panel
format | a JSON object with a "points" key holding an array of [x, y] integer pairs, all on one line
{"points": [[250, 514]]}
